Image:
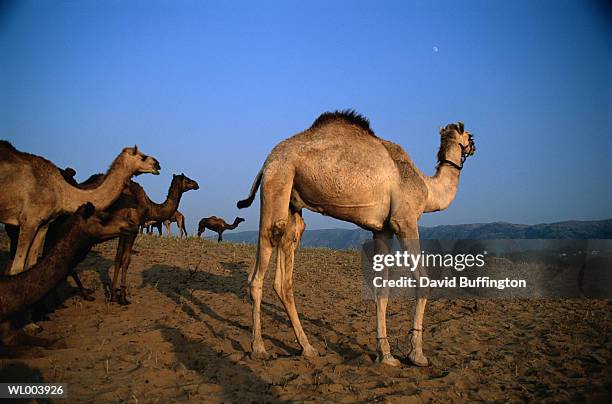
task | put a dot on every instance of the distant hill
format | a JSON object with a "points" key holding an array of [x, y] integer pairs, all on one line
{"points": [[353, 238]]}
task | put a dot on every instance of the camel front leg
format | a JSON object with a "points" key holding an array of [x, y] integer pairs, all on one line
{"points": [[283, 281], [125, 263], [382, 244], [410, 242], [37, 246], [220, 238], [118, 258], [27, 231]]}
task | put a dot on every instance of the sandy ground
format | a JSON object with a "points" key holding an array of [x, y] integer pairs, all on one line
{"points": [[186, 336]]}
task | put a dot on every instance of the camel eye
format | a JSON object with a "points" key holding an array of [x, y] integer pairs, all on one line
{"points": [[143, 157]]}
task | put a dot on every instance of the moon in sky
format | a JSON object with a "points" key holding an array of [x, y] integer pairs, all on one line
{"points": [[435, 49]]}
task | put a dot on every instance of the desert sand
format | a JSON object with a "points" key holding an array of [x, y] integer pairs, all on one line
{"points": [[186, 336]]}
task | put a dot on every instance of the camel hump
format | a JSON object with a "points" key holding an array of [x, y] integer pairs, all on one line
{"points": [[5, 144], [348, 116]]}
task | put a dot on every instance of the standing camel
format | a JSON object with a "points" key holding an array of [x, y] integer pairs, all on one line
{"points": [[136, 205], [340, 168], [35, 192], [180, 222], [218, 225]]}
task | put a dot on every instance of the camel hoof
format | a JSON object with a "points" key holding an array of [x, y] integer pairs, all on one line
{"points": [[123, 301], [418, 359], [388, 359], [260, 355], [310, 352]]}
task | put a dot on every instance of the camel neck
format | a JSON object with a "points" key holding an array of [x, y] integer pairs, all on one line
{"points": [[442, 186], [166, 209], [232, 226], [104, 194]]}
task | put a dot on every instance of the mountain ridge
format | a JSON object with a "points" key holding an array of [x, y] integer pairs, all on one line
{"points": [[341, 239]]}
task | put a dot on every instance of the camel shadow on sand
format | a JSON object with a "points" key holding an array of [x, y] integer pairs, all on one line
{"points": [[240, 384], [179, 284]]}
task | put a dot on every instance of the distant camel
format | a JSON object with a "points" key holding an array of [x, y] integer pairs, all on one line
{"points": [[180, 222], [217, 225], [340, 168], [178, 217], [150, 225], [34, 192], [83, 230]]}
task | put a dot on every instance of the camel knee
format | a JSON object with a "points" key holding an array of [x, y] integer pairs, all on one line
{"points": [[278, 231], [256, 285]]}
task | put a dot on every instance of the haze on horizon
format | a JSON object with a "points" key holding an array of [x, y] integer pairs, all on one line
{"points": [[210, 87]]}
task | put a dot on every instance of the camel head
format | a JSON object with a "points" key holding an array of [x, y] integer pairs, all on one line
{"points": [[100, 226], [140, 163], [455, 133], [238, 220], [185, 183]]}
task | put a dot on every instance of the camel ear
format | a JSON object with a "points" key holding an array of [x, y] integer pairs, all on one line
{"points": [[460, 124], [135, 150], [441, 130]]}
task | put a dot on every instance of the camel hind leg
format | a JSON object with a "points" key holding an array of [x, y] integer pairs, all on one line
{"points": [[283, 281], [275, 195]]}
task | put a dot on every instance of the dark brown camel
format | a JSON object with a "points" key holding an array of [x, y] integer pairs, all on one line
{"points": [[217, 225], [136, 205], [83, 230], [179, 219], [150, 225]]}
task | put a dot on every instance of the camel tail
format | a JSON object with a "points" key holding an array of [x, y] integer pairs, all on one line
{"points": [[245, 203]]}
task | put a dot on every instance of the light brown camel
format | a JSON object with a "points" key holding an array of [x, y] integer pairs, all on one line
{"points": [[34, 193], [180, 222], [217, 225], [82, 230], [340, 168], [136, 205]]}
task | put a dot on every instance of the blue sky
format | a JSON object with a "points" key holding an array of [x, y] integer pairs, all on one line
{"points": [[210, 87]]}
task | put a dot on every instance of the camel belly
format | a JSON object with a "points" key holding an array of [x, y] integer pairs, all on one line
{"points": [[362, 197]]}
